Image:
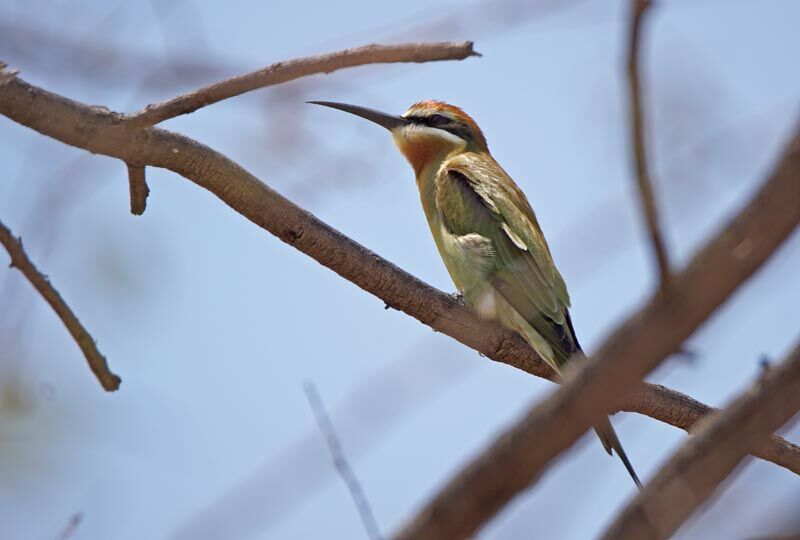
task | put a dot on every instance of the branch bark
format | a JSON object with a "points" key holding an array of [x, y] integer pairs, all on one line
{"points": [[100, 131], [19, 260], [282, 72], [693, 473], [644, 183]]}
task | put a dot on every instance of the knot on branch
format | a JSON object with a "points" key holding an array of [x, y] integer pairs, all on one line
{"points": [[293, 234]]}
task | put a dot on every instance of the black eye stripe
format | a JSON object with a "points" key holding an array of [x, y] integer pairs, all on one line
{"points": [[442, 122]]}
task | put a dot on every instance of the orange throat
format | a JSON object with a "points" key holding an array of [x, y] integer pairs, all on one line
{"points": [[422, 149]]}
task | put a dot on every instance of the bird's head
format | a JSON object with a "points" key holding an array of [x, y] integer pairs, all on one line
{"points": [[426, 131]]}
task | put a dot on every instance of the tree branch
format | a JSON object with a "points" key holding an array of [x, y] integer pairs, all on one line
{"points": [[101, 131], [519, 455], [282, 72], [19, 260], [682, 411], [639, 143], [693, 473], [340, 462]]}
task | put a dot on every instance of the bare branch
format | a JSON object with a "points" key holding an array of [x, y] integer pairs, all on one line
{"points": [[684, 412], [101, 131], [693, 473], [639, 143], [301, 67], [340, 462], [139, 189], [518, 456], [19, 260]]}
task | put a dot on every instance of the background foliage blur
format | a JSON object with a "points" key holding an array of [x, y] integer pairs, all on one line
{"points": [[214, 325]]}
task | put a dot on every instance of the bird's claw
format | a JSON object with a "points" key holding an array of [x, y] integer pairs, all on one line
{"points": [[458, 297]]}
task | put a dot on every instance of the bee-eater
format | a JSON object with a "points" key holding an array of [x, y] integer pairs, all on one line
{"points": [[486, 232]]}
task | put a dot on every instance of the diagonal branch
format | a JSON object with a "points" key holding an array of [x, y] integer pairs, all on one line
{"points": [[693, 473], [521, 454], [19, 260], [100, 131], [647, 197], [282, 72]]}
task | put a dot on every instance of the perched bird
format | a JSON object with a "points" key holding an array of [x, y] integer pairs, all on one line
{"points": [[486, 232]]}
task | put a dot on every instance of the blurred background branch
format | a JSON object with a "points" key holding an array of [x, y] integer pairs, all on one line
{"points": [[647, 198], [340, 462], [694, 472]]}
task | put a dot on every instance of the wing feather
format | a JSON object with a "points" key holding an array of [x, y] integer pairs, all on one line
{"points": [[474, 195]]}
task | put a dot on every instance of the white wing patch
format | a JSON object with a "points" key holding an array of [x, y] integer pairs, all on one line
{"points": [[514, 238]]}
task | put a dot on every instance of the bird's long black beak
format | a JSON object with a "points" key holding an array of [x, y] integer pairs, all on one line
{"points": [[389, 121]]}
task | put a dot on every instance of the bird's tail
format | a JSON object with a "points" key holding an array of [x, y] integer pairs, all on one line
{"points": [[558, 352], [611, 443]]}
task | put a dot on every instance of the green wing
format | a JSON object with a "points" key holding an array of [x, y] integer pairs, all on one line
{"points": [[474, 195]]}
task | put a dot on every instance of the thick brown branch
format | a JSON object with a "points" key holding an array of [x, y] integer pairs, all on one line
{"points": [[294, 69], [20, 261], [693, 473], [101, 131], [341, 464], [139, 189], [644, 183], [519, 455], [682, 411]]}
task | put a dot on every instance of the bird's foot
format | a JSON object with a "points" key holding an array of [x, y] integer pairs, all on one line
{"points": [[458, 297]]}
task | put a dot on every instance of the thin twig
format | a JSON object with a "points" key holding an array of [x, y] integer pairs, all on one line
{"points": [[340, 462], [293, 69], [639, 143], [694, 472], [19, 260], [99, 131], [139, 189]]}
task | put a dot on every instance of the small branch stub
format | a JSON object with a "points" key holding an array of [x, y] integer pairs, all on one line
{"points": [[6, 74], [139, 189]]}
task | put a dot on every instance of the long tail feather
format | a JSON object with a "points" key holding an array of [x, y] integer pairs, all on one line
{"points": [[611, 443]]}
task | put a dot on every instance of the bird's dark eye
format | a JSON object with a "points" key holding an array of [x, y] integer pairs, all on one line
{"points": [[437, 120]]}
